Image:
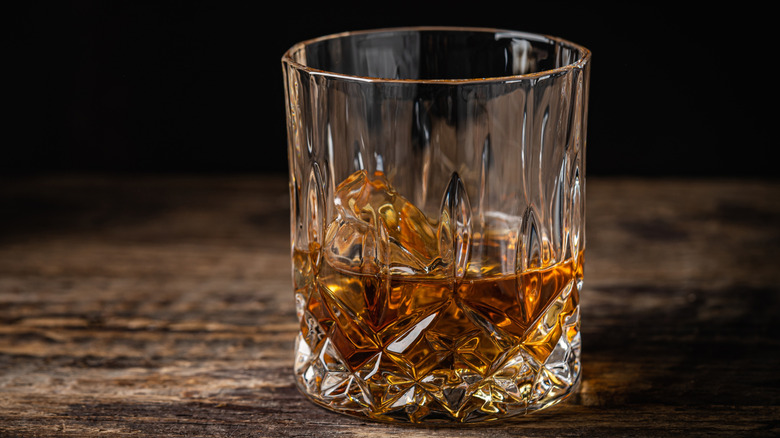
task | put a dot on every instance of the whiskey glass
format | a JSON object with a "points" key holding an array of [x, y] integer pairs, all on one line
{"points": [[437, 183]]}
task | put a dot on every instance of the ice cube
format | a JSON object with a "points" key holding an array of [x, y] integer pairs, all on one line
{"points": [[376, 229]]}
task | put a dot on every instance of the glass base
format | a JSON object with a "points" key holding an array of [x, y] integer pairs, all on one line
{"points": [[523, 380]]}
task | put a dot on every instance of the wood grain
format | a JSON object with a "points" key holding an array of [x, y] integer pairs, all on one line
{"points": [[162, 306]]}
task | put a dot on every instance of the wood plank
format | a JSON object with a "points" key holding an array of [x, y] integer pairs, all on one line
{"points": [[162, 306]]}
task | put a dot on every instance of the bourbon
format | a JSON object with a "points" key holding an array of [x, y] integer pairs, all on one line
{"points": [[424, 341]]}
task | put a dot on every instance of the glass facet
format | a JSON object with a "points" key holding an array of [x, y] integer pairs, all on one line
{"points": [[437, 180]]}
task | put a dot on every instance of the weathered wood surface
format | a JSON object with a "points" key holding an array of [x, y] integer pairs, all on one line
{"points": [[152, 306]]}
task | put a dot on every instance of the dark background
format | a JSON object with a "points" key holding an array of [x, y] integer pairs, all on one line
{"points": [[193, 87]]}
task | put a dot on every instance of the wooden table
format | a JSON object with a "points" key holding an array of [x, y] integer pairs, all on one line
{"points": [[162, 306]]}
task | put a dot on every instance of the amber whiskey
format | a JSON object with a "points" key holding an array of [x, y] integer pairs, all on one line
{"points": [[427, 343]]}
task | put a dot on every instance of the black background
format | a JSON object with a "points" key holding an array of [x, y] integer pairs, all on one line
{"points": [[192, 87]]}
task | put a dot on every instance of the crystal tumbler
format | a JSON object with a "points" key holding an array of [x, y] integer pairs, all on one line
{"points": [[437, 181]]}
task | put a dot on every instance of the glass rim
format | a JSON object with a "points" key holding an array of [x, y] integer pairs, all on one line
{"points": [[585, 55]]}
